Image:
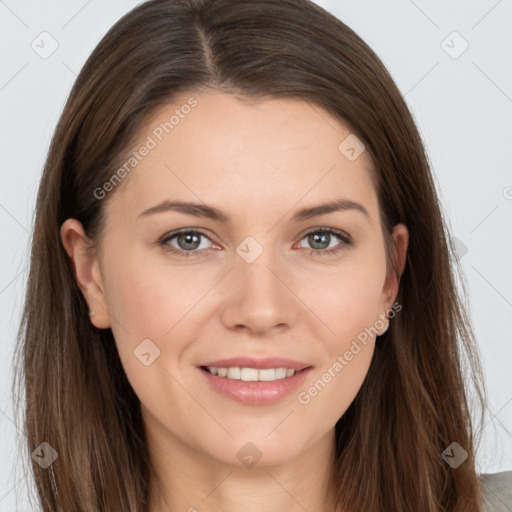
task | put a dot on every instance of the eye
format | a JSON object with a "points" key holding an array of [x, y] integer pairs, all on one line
{"points": [[188, 242], [323, 237]]}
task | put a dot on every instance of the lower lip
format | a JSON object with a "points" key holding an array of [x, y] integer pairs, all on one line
{"points": [[256, 392]]}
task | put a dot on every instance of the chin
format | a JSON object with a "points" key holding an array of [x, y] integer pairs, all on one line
{"points": [[258, 451]]}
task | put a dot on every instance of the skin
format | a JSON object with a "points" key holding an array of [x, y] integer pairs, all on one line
{"points": [[258, 162]]}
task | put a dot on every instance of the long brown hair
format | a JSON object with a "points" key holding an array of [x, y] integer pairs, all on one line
{"points": [[415, 400]]}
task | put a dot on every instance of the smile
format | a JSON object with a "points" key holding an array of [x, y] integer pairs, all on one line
{"points": [[254, 386], [252, 374]]}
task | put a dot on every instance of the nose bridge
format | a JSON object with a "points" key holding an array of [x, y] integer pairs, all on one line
{"points": [[260, 299]]}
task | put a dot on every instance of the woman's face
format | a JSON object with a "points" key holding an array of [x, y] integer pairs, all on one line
{"points": [[259, 283]]}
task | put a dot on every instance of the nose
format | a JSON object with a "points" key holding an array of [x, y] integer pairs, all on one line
{"points": [[260, 296]]}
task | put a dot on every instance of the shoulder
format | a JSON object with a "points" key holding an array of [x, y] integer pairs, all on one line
{"points": [[497, 492]]}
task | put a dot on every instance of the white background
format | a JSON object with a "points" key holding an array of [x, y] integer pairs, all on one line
{"points": [[463, 107]]}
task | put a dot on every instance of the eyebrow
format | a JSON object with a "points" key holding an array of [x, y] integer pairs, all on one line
{"points": [[210, 212]]}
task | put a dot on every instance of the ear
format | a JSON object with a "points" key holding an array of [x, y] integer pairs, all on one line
{"points": [[390, 289], [87, 270]]}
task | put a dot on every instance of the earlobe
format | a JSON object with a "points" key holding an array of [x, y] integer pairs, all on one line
{"points": [[86, 271]]}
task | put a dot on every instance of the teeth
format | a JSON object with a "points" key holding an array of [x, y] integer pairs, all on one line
{"points": [[248, 374], [267, 374], [252, 374], [234, 373], [281, 373]]}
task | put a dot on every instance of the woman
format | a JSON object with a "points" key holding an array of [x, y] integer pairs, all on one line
{"points": [[305, 352]]}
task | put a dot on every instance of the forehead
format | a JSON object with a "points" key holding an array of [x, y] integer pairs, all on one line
{"points": [[220, 147]]}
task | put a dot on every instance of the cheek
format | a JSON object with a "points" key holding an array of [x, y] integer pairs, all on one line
{"points": [[149, 300], [329, 393], [350, 309], [347, 300]]}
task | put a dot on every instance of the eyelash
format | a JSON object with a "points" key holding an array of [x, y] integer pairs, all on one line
{"points": [[343, 237]]}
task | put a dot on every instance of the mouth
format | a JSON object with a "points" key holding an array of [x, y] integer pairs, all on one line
{"points": [[248, 374], [254, 382]]}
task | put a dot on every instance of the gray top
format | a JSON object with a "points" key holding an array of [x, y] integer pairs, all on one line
{"points": [[497, 492]]}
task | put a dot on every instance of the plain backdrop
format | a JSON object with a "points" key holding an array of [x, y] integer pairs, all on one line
{"points": [[452, 62]]}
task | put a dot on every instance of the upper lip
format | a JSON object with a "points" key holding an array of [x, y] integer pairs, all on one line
{"points": [[251, 362]]}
